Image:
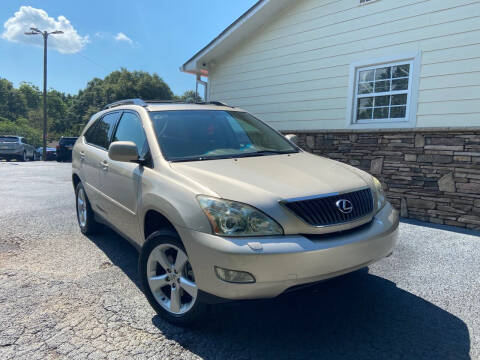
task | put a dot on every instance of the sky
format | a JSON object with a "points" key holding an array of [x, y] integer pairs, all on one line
{"points": [[102, 36]]}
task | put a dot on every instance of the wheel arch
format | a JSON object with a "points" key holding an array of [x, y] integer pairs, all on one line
{"points": [[154, 220], [75, 180]]}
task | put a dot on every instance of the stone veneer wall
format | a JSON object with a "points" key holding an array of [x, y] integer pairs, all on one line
{"points": [[428, 174]]}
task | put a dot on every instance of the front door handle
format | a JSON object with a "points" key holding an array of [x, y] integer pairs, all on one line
{"points": [[82, 155], [104, 165]]}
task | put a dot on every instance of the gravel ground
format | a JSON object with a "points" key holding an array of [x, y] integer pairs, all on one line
{"points": [[63, 295]]}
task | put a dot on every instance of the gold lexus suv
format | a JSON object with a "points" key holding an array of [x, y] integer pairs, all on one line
{"points": [[222, 206]]}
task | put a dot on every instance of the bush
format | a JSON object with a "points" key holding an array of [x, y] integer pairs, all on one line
{"points": [[21, 128]]}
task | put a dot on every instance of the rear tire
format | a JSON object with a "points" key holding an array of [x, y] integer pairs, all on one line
{"points": [[85, 215], [179, 278]]}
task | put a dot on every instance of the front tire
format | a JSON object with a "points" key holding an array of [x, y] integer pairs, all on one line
{"points": [[168, 281], [24, 157], [85, 215]]}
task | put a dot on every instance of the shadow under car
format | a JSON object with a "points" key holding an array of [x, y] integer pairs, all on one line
{"points": [[355, 316]]}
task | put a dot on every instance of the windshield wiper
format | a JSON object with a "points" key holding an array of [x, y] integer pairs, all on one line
{"points": [[201, 158], [234, 156], [198, 158], [265, 152]]}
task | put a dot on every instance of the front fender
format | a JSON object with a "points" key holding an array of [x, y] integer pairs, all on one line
{"points": [[185, 212]]}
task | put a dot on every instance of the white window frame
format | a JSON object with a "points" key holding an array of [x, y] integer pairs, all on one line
{"points": [[412, 94]]}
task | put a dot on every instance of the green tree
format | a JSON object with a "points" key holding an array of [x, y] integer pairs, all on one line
{"points": [[119, 85], [12, 104], [21, 128], [21, 110], [190, 96], [31, 95]]}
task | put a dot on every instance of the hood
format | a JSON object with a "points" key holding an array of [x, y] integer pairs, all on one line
{"points": [[274, 177]]}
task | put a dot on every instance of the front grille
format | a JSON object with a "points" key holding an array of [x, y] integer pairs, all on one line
{"points": [[323, 211]]}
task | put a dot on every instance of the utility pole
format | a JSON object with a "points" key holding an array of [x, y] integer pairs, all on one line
{"points": [[45, 34]]}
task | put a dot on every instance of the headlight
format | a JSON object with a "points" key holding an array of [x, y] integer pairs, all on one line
{"points": [[379, 194], [231, 218]]}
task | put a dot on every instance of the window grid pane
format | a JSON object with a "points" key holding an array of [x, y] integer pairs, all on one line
{"points": [[382, 92]]}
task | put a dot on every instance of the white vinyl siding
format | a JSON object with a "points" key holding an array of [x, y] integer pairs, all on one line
{"points": [[294, 72]]}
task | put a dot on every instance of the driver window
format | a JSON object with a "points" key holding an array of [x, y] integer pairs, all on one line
{"points": [[130, 129]]}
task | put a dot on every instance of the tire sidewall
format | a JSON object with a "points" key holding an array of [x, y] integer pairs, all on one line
{"points": [[91, 225], [189, 318]]}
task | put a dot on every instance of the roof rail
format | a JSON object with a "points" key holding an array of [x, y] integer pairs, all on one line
{"points": [[139, 102], [165, 102], [218, 103], [144, 103]]}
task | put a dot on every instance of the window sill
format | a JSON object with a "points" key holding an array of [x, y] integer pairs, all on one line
{"points": [[380, 125], [380, 121]]}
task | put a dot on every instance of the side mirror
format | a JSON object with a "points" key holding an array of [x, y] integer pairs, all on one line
{"points": [[292, 137], [125, 151]]}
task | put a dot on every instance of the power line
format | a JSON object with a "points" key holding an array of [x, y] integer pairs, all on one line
{"points": [[93, 62]]}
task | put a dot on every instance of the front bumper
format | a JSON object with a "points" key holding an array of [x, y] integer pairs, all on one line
{"points": [[287, 261]]}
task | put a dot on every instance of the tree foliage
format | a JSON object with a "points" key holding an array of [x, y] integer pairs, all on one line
{"points": [[22, 128], [21, 109], [190, 96]]}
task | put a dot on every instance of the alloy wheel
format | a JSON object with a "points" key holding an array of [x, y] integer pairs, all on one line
{"points": [[81, 208], [170, 278]]}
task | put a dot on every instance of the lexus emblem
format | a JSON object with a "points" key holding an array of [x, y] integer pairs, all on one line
{"points": [[344, 205]]}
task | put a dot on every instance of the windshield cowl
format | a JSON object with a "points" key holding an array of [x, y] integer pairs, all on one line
{"points": [[237, 156]]}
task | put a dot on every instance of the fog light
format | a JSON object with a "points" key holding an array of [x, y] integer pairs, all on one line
{"points": [[234, 276]]}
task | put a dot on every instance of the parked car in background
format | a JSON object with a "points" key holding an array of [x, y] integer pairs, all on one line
{"points": [[51, 153], [64, 148], [15, 147], [222, 206]]}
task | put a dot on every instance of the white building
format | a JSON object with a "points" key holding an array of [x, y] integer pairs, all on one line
{"points": [[323, 64]]}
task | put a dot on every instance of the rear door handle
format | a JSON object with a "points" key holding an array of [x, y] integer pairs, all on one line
{"points": [[104, 165], [82, 155]]}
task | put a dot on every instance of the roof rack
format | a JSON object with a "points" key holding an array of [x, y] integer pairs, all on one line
{"points": [[144, 103], [126, 102], [218, 103], [165, 102]]}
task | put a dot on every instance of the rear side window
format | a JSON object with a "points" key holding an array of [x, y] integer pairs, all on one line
{"points": [[11, 139], [130, 129], [100, 133]]}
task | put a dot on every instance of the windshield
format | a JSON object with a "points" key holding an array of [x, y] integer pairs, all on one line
{"points": [[189, 135], [10, 139]]}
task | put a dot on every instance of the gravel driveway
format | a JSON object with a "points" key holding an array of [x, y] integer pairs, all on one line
{"points": [[63, 295]]}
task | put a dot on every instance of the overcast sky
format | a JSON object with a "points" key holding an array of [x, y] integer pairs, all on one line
{"points": [[102, 36]]}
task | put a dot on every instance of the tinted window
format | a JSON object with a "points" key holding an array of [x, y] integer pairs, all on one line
{"points": [[189, 135], [130, 129], [67, 141], [99, 133]]}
